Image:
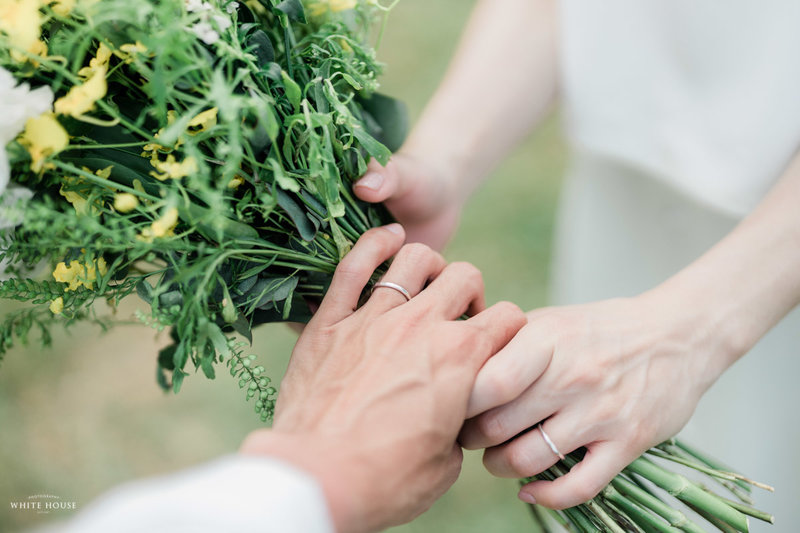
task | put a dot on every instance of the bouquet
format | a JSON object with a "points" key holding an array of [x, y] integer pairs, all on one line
{"points": [[199, 154]]}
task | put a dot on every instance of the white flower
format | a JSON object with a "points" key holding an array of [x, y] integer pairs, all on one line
{"points": [[18, 103], [197, 6], [223, 22], [232, 7], [205, 32]]}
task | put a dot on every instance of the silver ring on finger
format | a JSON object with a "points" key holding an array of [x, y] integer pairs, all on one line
{"points": [[550, 443], [394, 286]]}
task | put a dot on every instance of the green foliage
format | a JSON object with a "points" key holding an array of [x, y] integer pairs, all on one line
{"points": [[239, 130]]}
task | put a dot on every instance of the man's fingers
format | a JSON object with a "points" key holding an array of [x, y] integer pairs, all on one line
{"points": [[602, 462], [354, 271], [412, 268], [511, 371], [457, 290], [498, 324]]}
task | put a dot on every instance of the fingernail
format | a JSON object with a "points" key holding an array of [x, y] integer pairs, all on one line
{"points": [[397, 229], [371, 180], [526, 497]]}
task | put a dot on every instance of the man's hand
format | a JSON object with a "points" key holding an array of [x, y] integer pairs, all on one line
{"points": [[374, 398], [421, 197]]}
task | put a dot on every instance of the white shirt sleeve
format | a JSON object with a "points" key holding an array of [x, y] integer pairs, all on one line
{"points": [[232, 494]]}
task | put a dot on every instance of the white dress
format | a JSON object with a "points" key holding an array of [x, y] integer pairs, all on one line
{"points": [[681, 115]]}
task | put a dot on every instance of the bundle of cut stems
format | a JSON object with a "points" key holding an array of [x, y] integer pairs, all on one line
{"points": [[646, 496]]}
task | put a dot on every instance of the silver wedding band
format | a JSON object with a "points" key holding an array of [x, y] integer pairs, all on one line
{"points": [[394, 286], [549, 442]]}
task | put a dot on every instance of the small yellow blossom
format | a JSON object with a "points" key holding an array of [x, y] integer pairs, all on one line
{"points": [[104, 173], [171, 168], [203, 122], [81, 98], [236, 182], [57, 305], [75, 198], [21, 22], [127, 51], [150, 149], [63, 7], [43, 137], [77, 274], [163, 227], [320, 7], [125, 202], [98, 62]]}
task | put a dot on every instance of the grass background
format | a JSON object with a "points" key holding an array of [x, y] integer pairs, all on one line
{"points": [[86, 415]]}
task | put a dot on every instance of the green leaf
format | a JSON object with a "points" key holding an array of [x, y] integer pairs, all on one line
{"points": [[262, 48], [292, 9], [177, 380], [371, 145], [298, 215], [293, 91], [274, 290], [145, 291], [391, 117]]}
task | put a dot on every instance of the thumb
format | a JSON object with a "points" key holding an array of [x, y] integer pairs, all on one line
{"points": [[379, 183]]}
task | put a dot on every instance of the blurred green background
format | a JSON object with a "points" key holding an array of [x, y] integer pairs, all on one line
{"points": [[86, 415]]}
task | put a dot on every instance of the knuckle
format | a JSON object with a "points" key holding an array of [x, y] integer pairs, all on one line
{"points": [[351, 270], [415, 252], [468, 271], [519, 461], [498, 386], [491, 427], [510, 309]]}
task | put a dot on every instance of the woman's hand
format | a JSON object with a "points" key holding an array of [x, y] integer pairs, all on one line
{"points": [[422, 197], [374, 397], [615, 377]]}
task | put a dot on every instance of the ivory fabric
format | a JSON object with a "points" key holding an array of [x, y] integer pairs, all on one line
{"points": [[699, 94], [232, 494]]}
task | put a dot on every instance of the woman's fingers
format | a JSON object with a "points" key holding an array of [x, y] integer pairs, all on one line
{"points": [[511, 372], [457, 290], [415, 265], [379, 183], [603, 461], [530, 453], [354, 271]]}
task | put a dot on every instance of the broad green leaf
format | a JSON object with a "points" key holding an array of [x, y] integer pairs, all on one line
{"points": [[293, 9]]}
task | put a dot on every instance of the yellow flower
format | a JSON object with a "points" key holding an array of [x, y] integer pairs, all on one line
{"points": [[127, 51], [81, 98], [170, 168], [235, 182], [57, 305], [77, 201], [204, 121], [43, 137], [125, 202], [98, 62], [21, 21], [104, 173], [163, 227], [320, 7], [150, 149], [77, 274], [62, 7]]}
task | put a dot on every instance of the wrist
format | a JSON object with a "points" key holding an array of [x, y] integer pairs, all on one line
{"points": [[337, 476], [702, 325]]}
